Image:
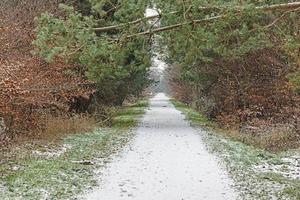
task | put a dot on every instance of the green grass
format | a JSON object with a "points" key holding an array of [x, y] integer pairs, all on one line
{"points": [[62, 177], [127, 116], [240, 159], [195, 117]]}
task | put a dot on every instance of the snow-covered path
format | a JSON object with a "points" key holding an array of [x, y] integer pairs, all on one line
{"points": [[166, 160]]}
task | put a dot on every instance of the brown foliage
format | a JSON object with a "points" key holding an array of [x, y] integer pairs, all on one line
{"points": [[29, 87], [250, 96], [253, 87], [55, 127]]}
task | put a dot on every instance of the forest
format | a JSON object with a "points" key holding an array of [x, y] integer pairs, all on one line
{"points": [[75, 67], [236, 62], [56, 65]]}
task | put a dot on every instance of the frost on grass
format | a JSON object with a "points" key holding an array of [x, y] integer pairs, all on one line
{"points": [[53, 174], [288, 168], [49, 172], [251, 168], [3, 189], [52, 153], [257, 174]]}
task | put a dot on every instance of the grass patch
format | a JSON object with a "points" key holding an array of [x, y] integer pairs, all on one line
{"points": [[242, 159], [195, 117], [127, 116], [57, 127], [65, 175]]}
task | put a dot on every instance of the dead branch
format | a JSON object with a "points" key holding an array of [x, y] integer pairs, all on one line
{"points": [[281, 17]]}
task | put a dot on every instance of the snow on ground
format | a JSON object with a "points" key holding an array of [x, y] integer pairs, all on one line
{"points": [[166, 160], [51, 153], [289, 168]]}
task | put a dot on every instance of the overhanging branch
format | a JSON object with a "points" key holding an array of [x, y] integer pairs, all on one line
{"points": [[275, 7], [115, 27], [166, 28]]}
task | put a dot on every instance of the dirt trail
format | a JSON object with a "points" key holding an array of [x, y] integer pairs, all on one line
{"points": [[167, 160]]}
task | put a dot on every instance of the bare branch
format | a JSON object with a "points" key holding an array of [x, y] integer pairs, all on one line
{"points": [[115, 27], [285, 6], [281, 17], [166, 28], [275, 7]]}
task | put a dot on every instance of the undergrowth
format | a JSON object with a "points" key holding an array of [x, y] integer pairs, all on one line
{"points": [[63, 170], [258, 174], [275, 141]]}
